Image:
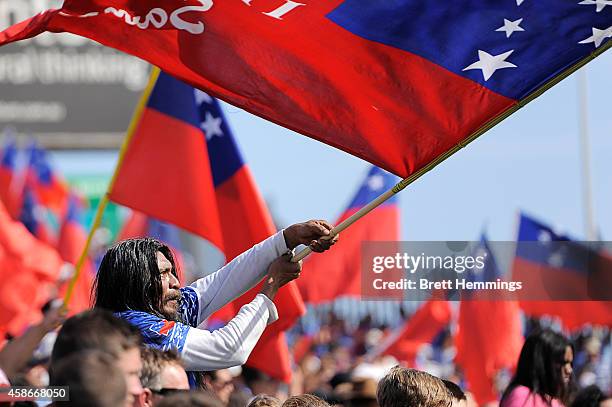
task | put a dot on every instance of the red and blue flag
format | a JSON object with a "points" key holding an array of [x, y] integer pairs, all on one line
{"points": [[183, 167], [562, 277], [400, 83], [35, 216], [341, 268], [50, 189], [8, 170]]}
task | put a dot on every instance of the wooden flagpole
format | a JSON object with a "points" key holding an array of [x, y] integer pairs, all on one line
{"points": [[105, 198], [479, 132]]}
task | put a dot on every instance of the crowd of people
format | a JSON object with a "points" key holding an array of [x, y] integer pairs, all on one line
{"points": [[142, 345], [104, 362]]}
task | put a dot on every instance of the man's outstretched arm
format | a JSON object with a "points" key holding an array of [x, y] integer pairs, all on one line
{"points": [[246, 270], [232, 344]]}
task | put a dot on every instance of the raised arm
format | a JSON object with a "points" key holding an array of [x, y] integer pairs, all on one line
{"points": [[238, 276], [246, 270], [232, 344]]}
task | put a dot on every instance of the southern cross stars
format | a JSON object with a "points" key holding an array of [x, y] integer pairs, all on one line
{"points": [[488, 63], [598, 36], [212, 126], [511, 26], [376, 182], [201, 97], [601, 4]]}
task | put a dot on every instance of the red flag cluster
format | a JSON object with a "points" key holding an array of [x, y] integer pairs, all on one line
{"points": [[32, 251]]}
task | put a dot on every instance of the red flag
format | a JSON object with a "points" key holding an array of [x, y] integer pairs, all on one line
{"points": [[488, 337], [398, 83], [421, 328], [8, 194], [337, 273], [207, 189], [28, 271], [71, 243], [20, 244], [136, 225]]}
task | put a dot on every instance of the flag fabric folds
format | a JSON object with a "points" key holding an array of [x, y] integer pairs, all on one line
{"points": [[183, 167], [340, 268], [489, 335], [558, 260], [421, 328], [8, 162], [70, 245], [50, 189], [28, 270], [398, 83]]}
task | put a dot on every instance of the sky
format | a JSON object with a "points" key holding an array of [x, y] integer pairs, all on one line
{"points": [[530, 162]]}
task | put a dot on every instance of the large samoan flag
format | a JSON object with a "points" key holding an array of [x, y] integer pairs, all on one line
{"points": [[564, 278], [399, 83], [183, 166], [338, 273]]}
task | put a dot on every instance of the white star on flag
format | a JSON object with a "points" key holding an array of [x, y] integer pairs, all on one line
{"points": [[511, 26], [556, 260], [376, 182], [544, 237], [598, 36], [201, 97], [212, 126], [488, 63], [601, 4], [519, 2]]}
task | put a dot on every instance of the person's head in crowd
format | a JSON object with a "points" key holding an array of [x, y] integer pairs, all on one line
{"points": [[100, 330], [362, 394], [219, 383], [239, 398], [162, 374], [263, 400], [93, 377], [591, 396], [544, 368], [305, 400], [409, 387], [259, 382], [459, 397], [139, 274], [190, 399]]}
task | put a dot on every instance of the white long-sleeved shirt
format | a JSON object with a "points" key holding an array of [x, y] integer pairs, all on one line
{"points": [[203, 350]]}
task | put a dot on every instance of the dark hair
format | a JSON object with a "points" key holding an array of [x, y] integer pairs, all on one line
{"points": [[153, 363], [590, 396], [128, 276], [455, 390], [95, 329], [539, 365], [190, 399], [84, 372]]}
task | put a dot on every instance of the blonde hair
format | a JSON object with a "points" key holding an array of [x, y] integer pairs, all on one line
{"points": [[409, 387]]}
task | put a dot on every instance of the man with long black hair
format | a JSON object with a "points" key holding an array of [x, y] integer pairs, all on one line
{"points": [[138, 281]]}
